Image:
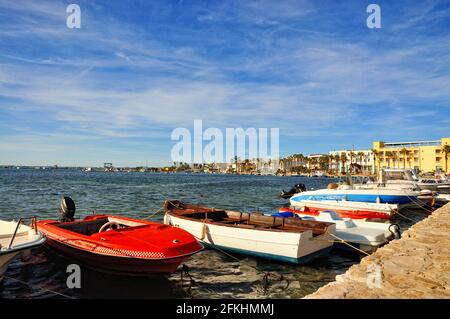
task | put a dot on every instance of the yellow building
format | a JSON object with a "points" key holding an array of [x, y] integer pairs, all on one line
{"points": [[426, 156]]}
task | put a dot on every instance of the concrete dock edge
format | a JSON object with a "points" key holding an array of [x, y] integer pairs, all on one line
{"points": [[415, 266]]}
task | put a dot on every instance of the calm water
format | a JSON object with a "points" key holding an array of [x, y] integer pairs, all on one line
{"points": [[38, 192]]}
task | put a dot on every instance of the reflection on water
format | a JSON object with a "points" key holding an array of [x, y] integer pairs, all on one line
{"points": [[214, 275]]}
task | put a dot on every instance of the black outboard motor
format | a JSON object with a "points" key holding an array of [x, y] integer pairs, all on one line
{"points": [[298, 188], [66, 210]]}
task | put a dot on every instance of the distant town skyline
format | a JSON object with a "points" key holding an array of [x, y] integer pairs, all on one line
{"points": [[115, 89]]}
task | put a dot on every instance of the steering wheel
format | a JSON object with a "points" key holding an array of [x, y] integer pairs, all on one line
{"points": [[109, 226]]}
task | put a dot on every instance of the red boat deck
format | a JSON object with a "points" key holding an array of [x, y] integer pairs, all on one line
{"points": [[139, 247]]}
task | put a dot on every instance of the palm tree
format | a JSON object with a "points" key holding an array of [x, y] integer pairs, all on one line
{"points": [[301, 159], [343, 159], [330, 161], [404, 152], [337, 159], [236, 163], [360, 158], [283, 165], [376, 156], [446, 150], [323, 162]]}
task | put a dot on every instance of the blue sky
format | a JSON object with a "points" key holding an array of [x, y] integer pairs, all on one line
{"points": [[115, 89]]}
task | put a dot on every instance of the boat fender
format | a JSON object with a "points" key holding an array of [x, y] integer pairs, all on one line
{"points": [[67, 210], [203, 235], [394, 229]]}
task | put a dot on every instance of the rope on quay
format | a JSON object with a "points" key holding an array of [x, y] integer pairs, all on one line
{"points": [[41, 288]]}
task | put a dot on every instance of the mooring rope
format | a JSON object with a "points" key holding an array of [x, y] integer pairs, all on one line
{"points": [[266, 274], [421, 205], [405, 217], [161, 210], [340, 240], [41, 288], [185, 270]]}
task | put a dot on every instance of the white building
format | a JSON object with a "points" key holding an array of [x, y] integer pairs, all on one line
{"points": [[357, 161]]}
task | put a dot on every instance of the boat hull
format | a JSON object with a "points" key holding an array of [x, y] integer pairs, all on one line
{"points": [[358, 195], [278, 258], [118, 265], [5, 259], [367, 236], [345, 209], [289, 247], [16, 239], [139, 248]]}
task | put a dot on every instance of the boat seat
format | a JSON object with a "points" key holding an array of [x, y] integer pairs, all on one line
{"points": [[231, 221], [246, 225], [267, 221], [85, 227]]}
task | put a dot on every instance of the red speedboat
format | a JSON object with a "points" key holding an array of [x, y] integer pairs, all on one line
{"points": [[121, 245]]}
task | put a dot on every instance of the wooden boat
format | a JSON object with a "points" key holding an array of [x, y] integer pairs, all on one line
{"points": [[364, 235], [281, 239], [16, 238], [347, 209], [121, 245]]}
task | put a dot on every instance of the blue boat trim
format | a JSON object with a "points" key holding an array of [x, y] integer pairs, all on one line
{"points": [[279, 258], [368, 198]]}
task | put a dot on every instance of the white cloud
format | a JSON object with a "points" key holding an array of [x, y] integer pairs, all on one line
{"points": [[114, 81]]}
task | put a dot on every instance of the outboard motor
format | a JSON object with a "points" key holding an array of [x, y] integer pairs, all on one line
{"points": [[298, 188], [66, 210]]}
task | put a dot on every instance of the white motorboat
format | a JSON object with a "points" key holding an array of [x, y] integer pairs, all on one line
{"points": [[434, 185], [407, 179], [15, 238], [358, 194], [288, 240], [364, 235]]}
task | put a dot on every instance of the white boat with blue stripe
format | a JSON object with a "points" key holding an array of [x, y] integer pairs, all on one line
{"points": [[351, 194]]}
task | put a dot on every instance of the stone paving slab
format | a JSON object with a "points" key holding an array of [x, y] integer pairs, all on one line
{"points": [[415, 266]]}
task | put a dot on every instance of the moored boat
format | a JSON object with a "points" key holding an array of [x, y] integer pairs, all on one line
{"points": [[347, 209], [352, 194], [276, 238], [16, 238], [364, 235], [119, 244]]}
